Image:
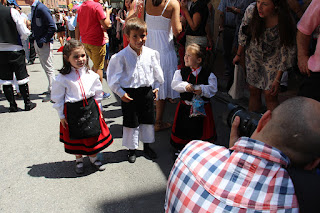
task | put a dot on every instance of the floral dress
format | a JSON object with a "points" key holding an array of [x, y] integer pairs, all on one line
{"points": [[266, 57]]}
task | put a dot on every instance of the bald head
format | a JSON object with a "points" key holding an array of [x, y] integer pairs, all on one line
{"points": [[294, 128]]}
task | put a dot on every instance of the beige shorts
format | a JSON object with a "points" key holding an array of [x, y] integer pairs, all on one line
{"points": [[97, 55]]}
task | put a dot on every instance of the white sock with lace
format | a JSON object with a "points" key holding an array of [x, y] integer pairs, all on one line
{"points": [[93, 159], [79, 162]]}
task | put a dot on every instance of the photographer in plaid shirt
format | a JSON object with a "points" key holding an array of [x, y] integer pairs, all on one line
{"points": [[252, 175]]}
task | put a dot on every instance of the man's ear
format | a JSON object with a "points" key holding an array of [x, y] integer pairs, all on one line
{"points": [[264, 120], [312, 165]]}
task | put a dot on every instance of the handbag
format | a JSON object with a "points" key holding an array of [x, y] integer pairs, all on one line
{"points": [[83, 117], [197, 107], [239, 83]]}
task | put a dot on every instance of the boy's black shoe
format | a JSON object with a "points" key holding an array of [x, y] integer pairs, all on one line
{"points": [[149, 152], [132, 156], [29, 106]]}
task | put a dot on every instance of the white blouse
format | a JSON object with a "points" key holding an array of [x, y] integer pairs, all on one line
{"points": [[66, 88], [126, 69], [208, 91]]}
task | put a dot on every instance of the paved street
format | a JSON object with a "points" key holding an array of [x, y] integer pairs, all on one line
{"points": [[38, 176]]}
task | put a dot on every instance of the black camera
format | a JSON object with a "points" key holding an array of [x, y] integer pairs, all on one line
{"points": [[248, 120]]}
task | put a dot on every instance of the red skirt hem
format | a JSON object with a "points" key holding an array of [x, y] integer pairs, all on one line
{"points": [[86, 146]]}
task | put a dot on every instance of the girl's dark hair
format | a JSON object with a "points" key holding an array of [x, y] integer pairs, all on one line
{"points": [[67, 50], [124, 5], [286, 24], [200, 52], [156, 2]]}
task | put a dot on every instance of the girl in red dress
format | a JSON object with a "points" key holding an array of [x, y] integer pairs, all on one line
{"points": [[77, 94]]}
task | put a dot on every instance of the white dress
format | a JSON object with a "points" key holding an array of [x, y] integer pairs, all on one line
{"points": [[160, 38]]}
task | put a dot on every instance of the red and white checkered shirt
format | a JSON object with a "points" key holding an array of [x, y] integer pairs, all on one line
{"points": [[211, 178]]}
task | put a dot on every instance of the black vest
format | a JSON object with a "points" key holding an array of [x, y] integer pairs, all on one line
{"points": [[8, 32], [203, 77]]}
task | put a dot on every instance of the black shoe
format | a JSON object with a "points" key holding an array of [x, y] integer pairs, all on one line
{"points": [[132, 156], [30, 106], [30, 62], [98, 165], [47, 98], [13, 108], [149, 152], [45, 93], [79, 169]]}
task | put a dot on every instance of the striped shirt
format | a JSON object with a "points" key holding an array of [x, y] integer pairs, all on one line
{"points": [[211, 178]]}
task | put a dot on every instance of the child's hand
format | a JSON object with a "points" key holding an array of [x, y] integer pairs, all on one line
{"points": [[63, 121], [198, 91], [189, 88], [126, 98], [155, 94]]}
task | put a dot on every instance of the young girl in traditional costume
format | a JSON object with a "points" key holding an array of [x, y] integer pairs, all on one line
{"points": [[193, 80], [77, 93]]}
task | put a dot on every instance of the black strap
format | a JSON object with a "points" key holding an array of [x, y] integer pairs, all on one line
{"points": [[307, 188]]}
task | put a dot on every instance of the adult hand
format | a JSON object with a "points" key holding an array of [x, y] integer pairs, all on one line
{"points": [[155, 94], [118, 35], [236, 60], [189, 88], [183, 5], [126, 98], [109, 11], [303, 64], [234, 133], [63, 122], [275, 87]]}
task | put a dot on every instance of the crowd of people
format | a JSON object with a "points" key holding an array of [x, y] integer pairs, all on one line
{"points": [[154, 52]]}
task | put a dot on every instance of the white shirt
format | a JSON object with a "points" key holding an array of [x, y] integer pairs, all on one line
{"points": [[57, 21], [66, 88], [22, 29], [70, 20], [126, 69], [208, 91]]}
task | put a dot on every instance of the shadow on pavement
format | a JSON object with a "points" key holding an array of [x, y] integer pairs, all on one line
{"points": [[112, 113], [62, 169], [115, 129], [142, 203], [65, 169]]}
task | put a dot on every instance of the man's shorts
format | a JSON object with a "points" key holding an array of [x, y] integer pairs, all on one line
{"points": [[97, 55], [13, 62]]}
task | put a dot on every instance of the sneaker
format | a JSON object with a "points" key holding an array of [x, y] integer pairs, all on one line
{"points": [[30, 106], [46, 98], [79, 168], [106, 95], [149, 152], [98, 165], [132, 156]]}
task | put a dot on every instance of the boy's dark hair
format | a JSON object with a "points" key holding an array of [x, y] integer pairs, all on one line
{"points": [[67, 49], [286, 25], [134, 24]]}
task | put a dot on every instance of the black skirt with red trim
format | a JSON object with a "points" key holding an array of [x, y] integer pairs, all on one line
{"points": [[86, 146], [186, 129]]}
